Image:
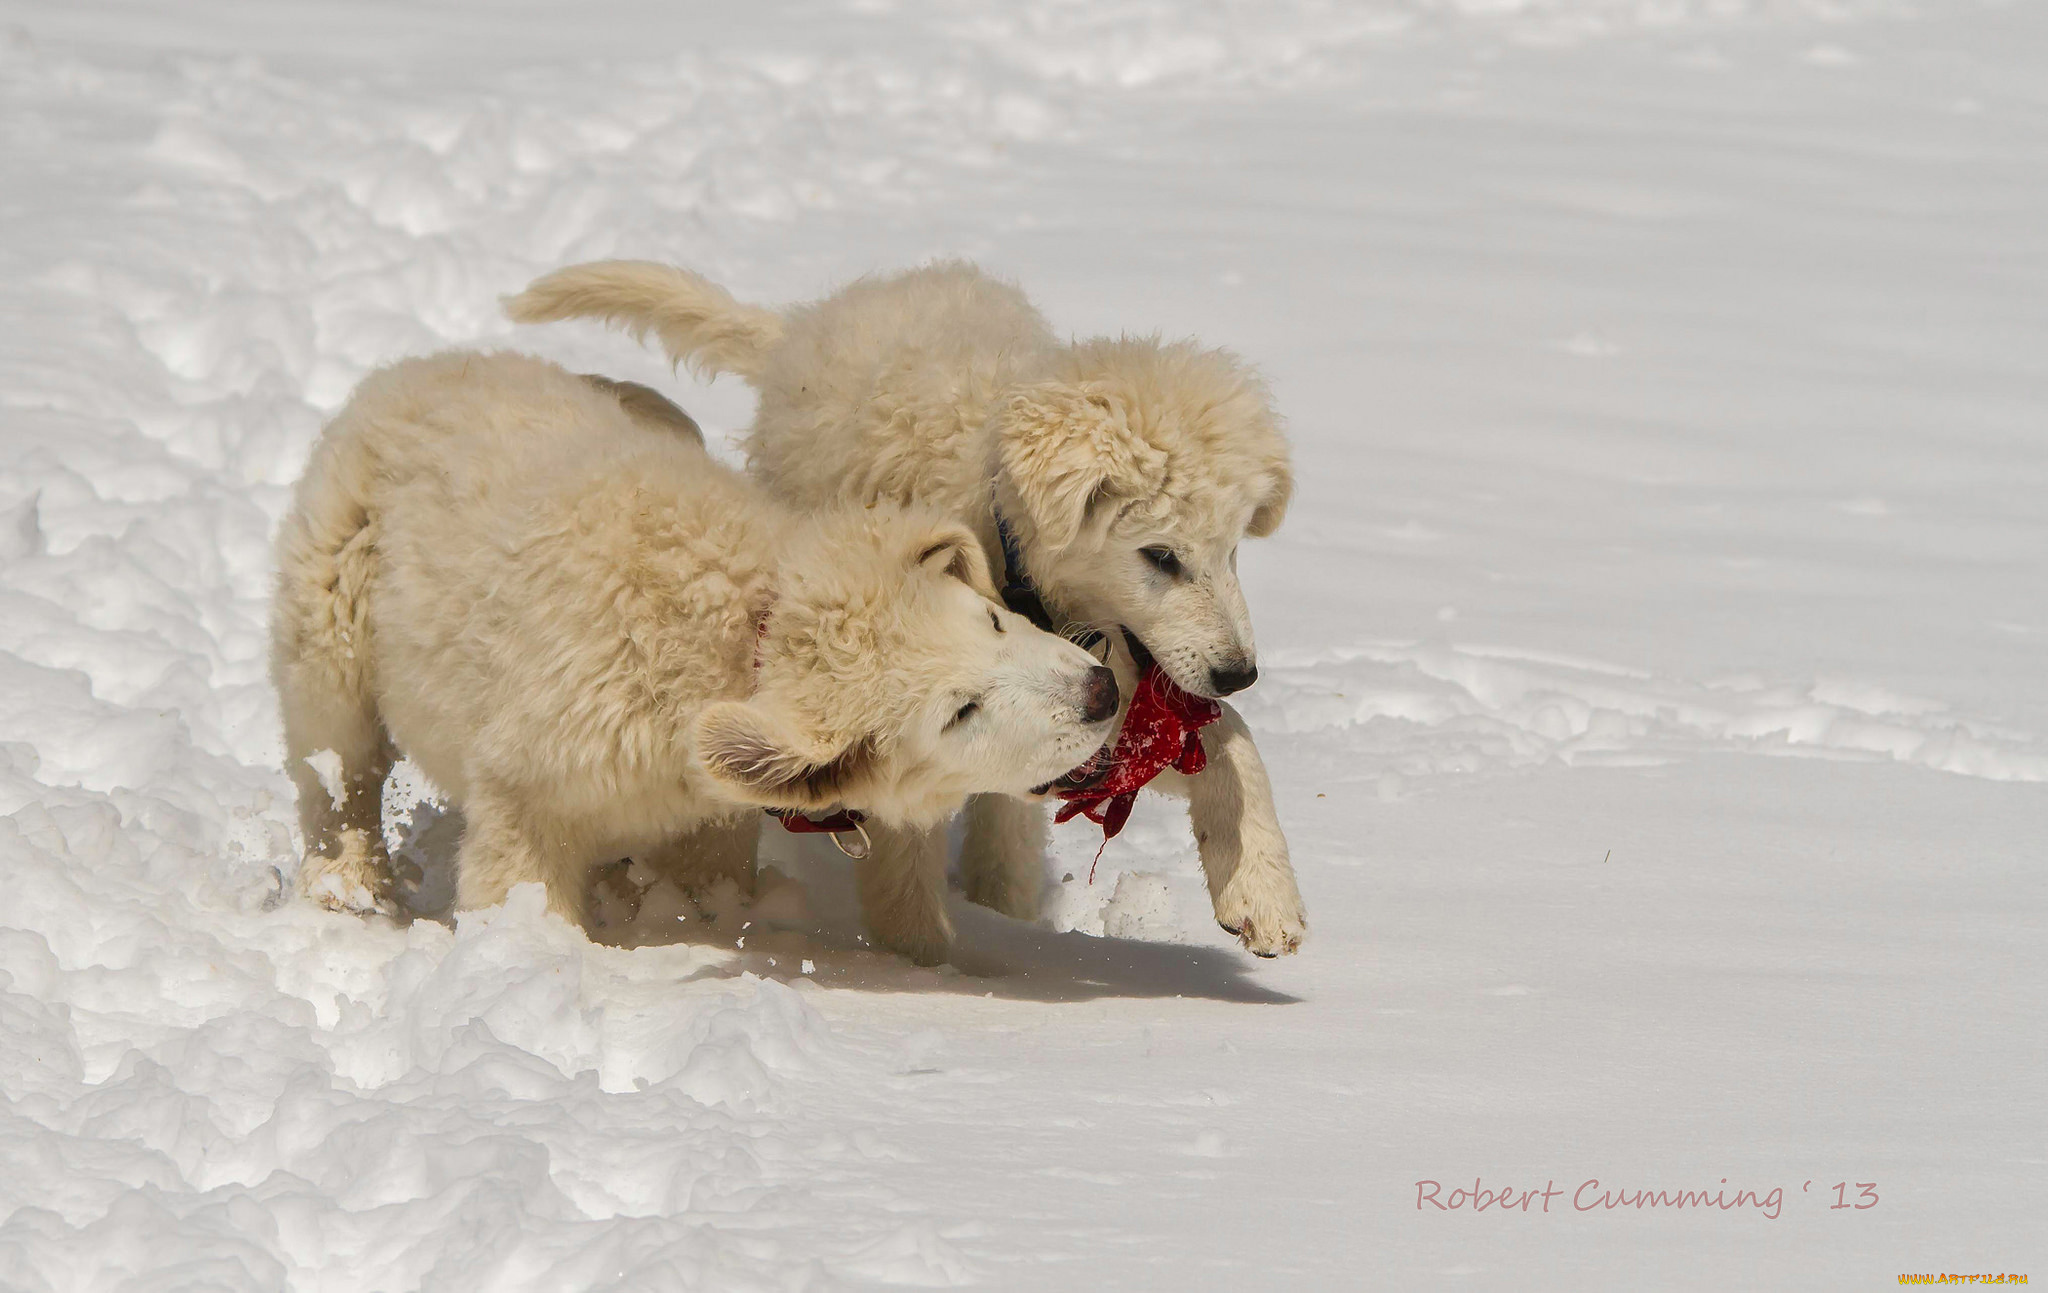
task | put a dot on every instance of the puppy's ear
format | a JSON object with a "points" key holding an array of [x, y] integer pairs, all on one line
{"points": [[1272, 508], [1068, 448], [756, 759], [953, 550]]}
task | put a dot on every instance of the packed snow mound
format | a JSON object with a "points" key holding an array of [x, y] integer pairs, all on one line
{"points": [[208, 1081]]}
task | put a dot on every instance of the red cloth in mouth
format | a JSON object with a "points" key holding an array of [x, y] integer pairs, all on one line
{"points": [[1162, 729]]}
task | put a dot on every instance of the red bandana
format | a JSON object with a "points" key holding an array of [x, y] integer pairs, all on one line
{"points": [[1163, 729]]}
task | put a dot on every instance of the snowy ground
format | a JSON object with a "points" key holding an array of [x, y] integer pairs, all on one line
{"points": [[1653, 664]]}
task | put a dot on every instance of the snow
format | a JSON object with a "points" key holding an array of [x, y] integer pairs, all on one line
{"points": [[326, 765], [1651, 665]]}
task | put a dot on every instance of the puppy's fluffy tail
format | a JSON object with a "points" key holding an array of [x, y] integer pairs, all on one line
{"points": [[697, 321]]}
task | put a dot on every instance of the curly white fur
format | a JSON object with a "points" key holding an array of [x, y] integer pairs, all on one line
{"points": [[598, 641], [1129, 469]]}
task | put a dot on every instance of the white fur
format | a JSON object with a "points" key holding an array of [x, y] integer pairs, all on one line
{"points": [[943, 386], [600, 642]]}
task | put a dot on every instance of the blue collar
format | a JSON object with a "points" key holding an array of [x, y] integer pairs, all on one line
{"points": [[1021, 595]]}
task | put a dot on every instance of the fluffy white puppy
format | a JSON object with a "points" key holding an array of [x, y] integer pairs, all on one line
{"points": [[599, 642], [1126, 471]]}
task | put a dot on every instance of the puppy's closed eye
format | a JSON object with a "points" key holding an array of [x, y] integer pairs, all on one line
{"points": [[961, 715], [1164, 560]]}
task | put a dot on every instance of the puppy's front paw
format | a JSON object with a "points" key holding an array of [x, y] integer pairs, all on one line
{"points": [[1264, 910], [921, 946], [924, 936]]}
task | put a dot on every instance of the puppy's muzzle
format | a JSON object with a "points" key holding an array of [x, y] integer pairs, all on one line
{"points": [[1233, 679], [1099, 695]]}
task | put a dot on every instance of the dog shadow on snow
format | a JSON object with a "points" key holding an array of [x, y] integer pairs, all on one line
{"points": [[803, 922]]}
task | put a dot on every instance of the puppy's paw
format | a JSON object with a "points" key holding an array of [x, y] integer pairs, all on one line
{"points": [[1263, 909], [357, 880], [922, 942], [702, 877]]}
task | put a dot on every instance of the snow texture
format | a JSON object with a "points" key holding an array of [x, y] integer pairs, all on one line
{"points": [[1651, 667]]}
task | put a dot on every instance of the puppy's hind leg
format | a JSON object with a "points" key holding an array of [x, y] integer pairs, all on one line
{"points": [[338, 760], [336, 751], [1002, 862]]}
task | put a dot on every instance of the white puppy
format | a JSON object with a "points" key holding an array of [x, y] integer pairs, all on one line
{"points": [[599, 642], [1125, 470]]}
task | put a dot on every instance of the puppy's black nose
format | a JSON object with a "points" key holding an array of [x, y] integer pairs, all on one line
{"points": [[1234, 679], [1099, 697]]}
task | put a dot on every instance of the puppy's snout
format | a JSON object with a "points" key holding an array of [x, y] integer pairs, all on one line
{"points": [[1099, 695], [1233, 679]]}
